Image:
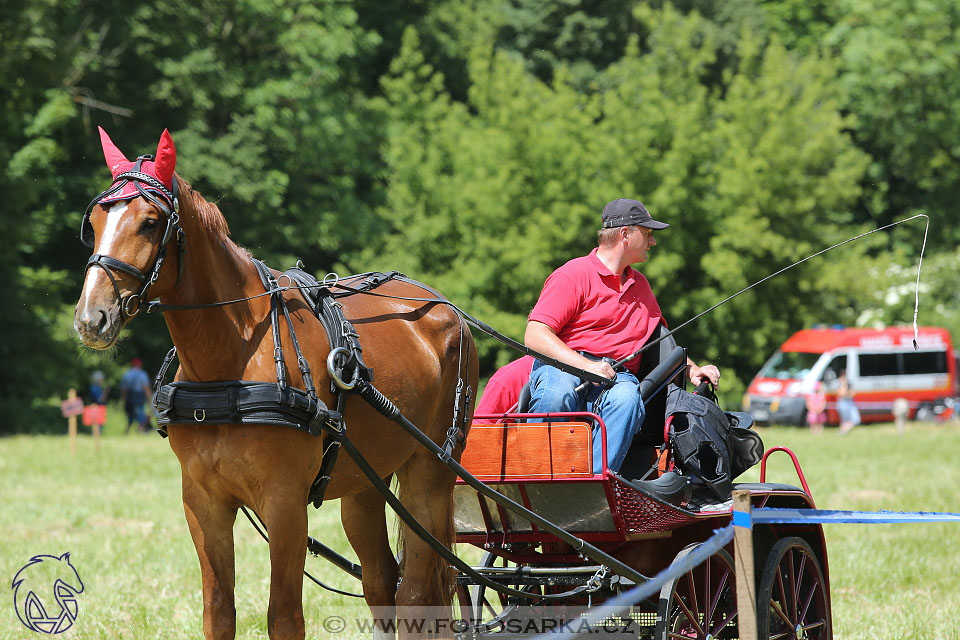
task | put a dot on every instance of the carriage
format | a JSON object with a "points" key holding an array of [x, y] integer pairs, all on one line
{"points": [[543, 462], [553, 528]]}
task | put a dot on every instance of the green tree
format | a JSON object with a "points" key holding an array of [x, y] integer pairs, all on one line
{"points": [[266, 104], [901, 78], [486, 198]]}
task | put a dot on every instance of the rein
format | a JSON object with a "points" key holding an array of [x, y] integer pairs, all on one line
{"points": [[334, 281]]}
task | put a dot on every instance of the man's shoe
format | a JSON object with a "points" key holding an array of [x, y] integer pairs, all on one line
{"points": [[670, 487]]}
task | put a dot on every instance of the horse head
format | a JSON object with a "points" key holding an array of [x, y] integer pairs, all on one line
{"points": [[130, 228]]}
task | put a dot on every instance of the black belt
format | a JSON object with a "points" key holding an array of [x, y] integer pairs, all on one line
{"points": [[241, 402]]}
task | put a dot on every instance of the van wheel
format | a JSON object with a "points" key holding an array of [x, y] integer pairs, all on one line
{"points": [[925, 413]]}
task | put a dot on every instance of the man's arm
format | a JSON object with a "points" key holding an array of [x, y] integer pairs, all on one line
{"points": [[697, 374], [542, 338]]}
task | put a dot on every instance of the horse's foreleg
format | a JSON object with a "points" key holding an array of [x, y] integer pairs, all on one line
{"points": [[365, 524], [285, 515], [426, 489], [211, 525]]}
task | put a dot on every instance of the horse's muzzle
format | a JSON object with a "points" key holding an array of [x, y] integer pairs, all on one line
{"points": [[98, 326]]}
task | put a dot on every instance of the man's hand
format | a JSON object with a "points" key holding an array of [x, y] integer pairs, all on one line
{"points": [[709, 372], [598, 367]]}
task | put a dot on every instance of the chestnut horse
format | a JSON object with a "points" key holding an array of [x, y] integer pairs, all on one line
{"points": [[414, 348]]}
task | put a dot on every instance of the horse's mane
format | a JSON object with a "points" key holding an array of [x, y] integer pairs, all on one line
{"points": [[206, 212]]}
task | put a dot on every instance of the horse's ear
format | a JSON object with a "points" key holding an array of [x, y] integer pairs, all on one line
{"points": [[114, 157], [166, 159]]}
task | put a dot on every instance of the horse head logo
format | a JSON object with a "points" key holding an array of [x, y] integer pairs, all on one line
{"points": [[45, 594]]}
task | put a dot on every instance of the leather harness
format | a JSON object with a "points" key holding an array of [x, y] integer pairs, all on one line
{"points": [[279, 404]]}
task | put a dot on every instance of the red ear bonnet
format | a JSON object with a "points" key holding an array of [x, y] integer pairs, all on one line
{"points": [[116, 161], [161, 168], [166, 159]]}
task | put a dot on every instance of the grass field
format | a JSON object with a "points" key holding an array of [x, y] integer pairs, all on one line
{"points": [[119, 514]]}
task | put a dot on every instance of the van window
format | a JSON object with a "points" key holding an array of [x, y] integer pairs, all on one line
{"points": [[907, 363], [789, 365], [878, 364], [919, 362], [832, 372]]}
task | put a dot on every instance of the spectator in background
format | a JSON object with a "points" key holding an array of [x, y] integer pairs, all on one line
{"points": [[134, 391], [95, 413], [817, 408], [849, 415]]}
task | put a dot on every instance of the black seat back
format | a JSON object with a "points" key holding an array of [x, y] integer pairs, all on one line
{"points": [[661, 364]]}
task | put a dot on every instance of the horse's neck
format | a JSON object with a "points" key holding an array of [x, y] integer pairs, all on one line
{"points": [[215, 343]]}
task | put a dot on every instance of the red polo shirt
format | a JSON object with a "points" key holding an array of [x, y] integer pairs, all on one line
{"points": [[586, 307]]}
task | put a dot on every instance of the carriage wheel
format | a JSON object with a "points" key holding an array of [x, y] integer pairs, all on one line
{"points": [[792, 601], [701, 603]]}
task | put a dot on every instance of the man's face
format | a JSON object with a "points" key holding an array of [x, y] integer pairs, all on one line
{"points": [[639, 241]]}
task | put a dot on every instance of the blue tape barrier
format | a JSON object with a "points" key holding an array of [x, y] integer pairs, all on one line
{"points": [[827, 516], [742, 519], [720, 539]]}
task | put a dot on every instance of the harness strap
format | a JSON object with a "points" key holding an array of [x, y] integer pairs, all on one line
{"points": [[340, 331], [277, 304], [101, 260], [270, 284]]}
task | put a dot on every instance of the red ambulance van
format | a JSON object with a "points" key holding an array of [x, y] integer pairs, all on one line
{"points": [[881, 366]]}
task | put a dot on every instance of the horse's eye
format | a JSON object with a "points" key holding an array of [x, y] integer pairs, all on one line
{"points": [[149, 224]]}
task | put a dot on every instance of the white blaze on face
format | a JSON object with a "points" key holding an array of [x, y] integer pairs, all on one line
{"points": [[107, 239], [114, 214]]}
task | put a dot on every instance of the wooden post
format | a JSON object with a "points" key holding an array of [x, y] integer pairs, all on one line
{"points": [[96, 437], [743, 565], [72, 424]]}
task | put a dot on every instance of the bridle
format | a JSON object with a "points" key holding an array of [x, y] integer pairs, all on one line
{"points": [[168, 202]]}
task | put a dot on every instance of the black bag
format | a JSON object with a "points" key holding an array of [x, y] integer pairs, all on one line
{"points": [[706, 446]]}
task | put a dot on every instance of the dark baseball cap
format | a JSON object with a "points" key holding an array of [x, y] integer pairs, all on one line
{"points": [[624, 212]]}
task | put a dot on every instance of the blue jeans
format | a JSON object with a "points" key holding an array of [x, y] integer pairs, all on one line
{"points": [[848, 411], [620, 407]]}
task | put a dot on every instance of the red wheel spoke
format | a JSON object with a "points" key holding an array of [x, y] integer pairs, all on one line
{"points": [[778, 609], [692, 593], [814, 625], [707, 599], [806, 605], [691, 616], [781, 591], [799, 584], [716, 596], [715, 601], [791, 604], [716, 631]]}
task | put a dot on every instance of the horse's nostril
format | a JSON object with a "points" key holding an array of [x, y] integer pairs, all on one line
{"points": [[104, 322]]}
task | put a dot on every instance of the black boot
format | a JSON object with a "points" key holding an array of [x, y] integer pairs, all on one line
{"points": [[671, 487]]}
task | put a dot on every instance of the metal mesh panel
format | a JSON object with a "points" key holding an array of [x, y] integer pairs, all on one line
{"points": [[643, 514]]}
